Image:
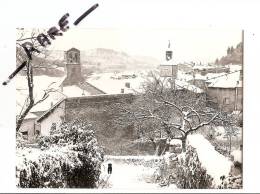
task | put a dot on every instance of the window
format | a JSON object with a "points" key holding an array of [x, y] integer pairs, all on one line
{"points": [[226, 100], [25, 134], [37, 133]]}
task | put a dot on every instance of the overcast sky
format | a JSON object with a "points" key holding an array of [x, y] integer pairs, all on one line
{"points": [[143, 27], [187, 44]]}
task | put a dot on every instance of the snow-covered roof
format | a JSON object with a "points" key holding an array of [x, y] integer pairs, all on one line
{"points": [[228, 80], [203, 66], [30, 116], [112, 83], [41, 83], [180, 82], [47, 112], [234, 67], [199, 77], [188, 86], [74, 91], [210, 76], [168, 63]]}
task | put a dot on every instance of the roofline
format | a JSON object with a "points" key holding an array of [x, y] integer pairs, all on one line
{"points": [[48, 111], [95, 87], [224, 87], [99, 96], [43, 116], [72, 48]]}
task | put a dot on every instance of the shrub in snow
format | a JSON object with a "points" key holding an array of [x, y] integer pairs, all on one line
{"points": [[189, 172], [236, 156], [231, 182], [69, 157]]}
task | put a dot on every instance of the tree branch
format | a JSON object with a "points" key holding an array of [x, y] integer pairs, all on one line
{"points": [[31, 99], [203, 124]]}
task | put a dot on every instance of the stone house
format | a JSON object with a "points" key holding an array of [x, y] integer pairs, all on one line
{"points": [[227, 92]]}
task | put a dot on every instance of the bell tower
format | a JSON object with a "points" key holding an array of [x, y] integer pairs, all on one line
{"points": [[168, 68], [168, 55], [73, 67]]}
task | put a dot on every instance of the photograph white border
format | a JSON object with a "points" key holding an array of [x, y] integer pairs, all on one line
{"points": [[209, 14]]}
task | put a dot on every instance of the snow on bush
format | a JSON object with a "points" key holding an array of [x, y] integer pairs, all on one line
{"points": [[216, 164], [69, 157], [189, 173], [231, 182], [237, 156]]}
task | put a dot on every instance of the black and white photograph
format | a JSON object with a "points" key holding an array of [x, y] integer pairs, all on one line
{"points": [[130, 108], [102, 96]]}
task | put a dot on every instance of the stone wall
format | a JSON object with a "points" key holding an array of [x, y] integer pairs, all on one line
{"points": [[99, 111], [228, 99]]}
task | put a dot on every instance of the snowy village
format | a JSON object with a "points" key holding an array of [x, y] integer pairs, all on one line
{"points": [[102, 118]]}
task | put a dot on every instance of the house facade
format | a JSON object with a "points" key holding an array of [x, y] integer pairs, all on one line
{"points": [[228, 99], [227, 91]]}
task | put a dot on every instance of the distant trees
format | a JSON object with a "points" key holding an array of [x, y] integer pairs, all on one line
{"points": [[217, 61], [234, 55], [230, 50]]}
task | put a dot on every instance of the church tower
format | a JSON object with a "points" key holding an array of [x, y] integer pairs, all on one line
{"points": [[73, 67], [168, 68], [168, 56]]}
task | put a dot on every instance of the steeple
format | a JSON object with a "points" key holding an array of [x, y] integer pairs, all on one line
{"points": [[168, 52]]}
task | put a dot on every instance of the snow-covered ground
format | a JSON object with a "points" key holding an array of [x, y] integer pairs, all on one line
{"points": [[215, 163], [130, 177]]}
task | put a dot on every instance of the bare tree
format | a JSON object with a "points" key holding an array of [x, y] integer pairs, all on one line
{"points": [[30, 65], [174, 114]]}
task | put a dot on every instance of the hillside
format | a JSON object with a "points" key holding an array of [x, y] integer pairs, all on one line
{"points": [[234, 55], [46, 64], [108, 60], [95, 60]]}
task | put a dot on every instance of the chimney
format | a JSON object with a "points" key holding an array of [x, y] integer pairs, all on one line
{"points": [[127, 84]]}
